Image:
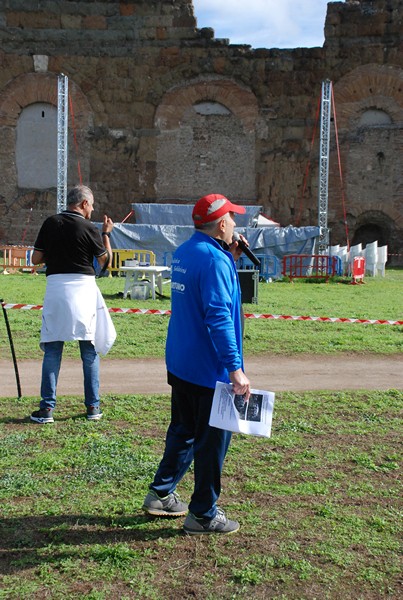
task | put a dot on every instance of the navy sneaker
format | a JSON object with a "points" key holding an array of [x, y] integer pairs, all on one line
{"points": [[219, 524], [170, 506], [94, 413], [43, 415]]}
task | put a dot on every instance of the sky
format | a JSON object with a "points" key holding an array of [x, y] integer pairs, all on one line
{"points": [[265, 23]]}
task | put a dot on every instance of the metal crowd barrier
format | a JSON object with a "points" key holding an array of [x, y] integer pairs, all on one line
{"points": [[307, 266], [119, 256], [16, 258]]}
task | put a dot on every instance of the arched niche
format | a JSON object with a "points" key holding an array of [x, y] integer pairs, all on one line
{"points": [[369, 88], [36, 146], [206, 141], [369, 110], [371, 226], [374, 117], [23, 100]]}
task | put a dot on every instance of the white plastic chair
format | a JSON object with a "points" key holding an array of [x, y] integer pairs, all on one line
{"points": [[356, 250], [382, 257], [343, 255], [371, 257]]}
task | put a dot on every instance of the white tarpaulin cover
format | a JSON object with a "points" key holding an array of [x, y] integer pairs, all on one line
{"points": [[164, 239], [161, 228], [181, 214]]}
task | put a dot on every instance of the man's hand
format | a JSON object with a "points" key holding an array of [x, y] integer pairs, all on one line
{"points": [[107, 227], [37, 257], [107, 224], [234, 248], [240, 383]]}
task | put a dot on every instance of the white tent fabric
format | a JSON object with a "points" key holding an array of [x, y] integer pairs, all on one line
{"points": [[263, 221]]}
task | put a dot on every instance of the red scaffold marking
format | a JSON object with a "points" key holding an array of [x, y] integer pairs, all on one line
{"points": [[154, 311]]}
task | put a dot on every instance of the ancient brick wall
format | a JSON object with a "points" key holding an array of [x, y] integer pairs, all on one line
{"points": [[165, 110]]}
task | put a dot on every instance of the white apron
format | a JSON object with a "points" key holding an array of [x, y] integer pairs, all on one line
{"points": [[74, 309]]}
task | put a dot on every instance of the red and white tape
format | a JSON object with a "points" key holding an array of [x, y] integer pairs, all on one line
{"points": [[324, 319], [152, 311], [23, 306]]}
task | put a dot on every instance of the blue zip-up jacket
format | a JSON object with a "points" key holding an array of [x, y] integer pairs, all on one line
{"points": [[204, 341]]}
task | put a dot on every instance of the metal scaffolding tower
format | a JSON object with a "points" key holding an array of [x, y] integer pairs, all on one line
{"points": [[62, 129], [324, 166]]}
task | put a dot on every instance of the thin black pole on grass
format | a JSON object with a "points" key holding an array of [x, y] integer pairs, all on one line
{"points": [[10, 339]]}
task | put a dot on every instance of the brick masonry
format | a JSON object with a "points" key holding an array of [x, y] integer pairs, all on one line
{"points": [[139, 69]]}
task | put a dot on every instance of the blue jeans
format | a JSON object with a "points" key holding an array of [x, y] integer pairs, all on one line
{"points": [[50, 373], [190, 438]]}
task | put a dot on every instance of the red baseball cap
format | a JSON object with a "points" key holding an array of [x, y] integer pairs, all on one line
{"points": [[212, 207]]}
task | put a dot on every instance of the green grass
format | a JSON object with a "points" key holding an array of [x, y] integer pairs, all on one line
{"points": [[144, 335], [319, 504]]}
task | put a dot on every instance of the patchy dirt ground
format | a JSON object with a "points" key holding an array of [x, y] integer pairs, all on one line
{"points": [[274, 373], [318, 506]]}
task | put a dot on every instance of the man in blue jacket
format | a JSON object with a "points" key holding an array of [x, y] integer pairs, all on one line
{"points": [[204, 345]]}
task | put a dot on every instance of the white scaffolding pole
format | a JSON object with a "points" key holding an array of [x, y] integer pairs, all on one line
{"points": [[62, 128], [324, 166]]}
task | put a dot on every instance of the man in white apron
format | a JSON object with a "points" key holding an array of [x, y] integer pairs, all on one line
{"points": [[73, 306]]}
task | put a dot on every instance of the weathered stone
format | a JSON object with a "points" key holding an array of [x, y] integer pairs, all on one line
{"points": [[127, 9], [33, 20], [70, 21], [137, 71], [94, 22]]}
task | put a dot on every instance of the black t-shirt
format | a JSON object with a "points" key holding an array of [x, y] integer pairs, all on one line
{"points": [[69, 243]]}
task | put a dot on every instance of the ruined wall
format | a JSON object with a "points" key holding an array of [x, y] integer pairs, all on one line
{"points": [[163, 110]]}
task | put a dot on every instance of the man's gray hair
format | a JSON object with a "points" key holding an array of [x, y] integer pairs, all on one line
{"points": [[212, 225], [79, 193]]}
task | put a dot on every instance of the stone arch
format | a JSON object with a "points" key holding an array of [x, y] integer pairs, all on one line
{"points": [[26, 207], [369, 87], [204, 151], [372, 177], [239, 100], [376, 225], [36, 88], [368, 224], [40, 87]]}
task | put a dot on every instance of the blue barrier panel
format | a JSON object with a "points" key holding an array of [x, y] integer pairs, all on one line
{"points": [[270, 266]]}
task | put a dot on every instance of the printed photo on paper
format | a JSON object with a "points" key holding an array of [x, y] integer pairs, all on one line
{"points": [[230, 411]]}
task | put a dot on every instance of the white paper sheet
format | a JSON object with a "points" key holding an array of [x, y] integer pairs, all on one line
{"points": [[229, 411]]}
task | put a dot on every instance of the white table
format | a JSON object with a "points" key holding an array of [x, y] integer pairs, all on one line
{"points": [[156, 274]]}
